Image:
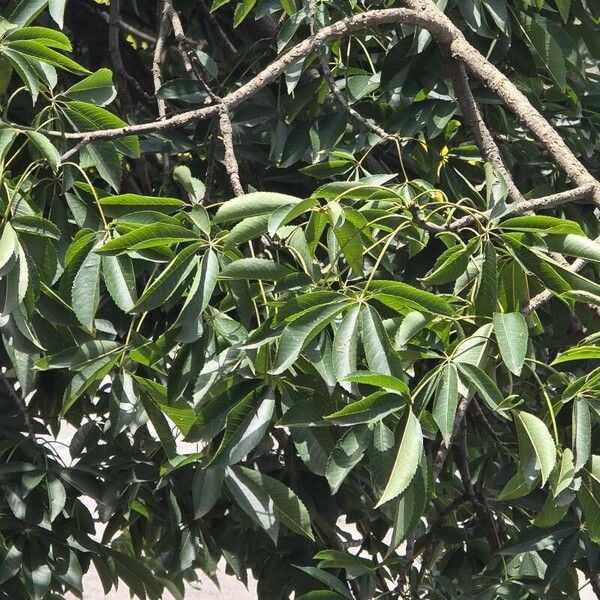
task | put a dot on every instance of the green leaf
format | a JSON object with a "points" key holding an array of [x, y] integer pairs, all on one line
{"points": [[512, 336], [252, 497], [446, 401], [241, 11], [399, 295], [387, 382], [542, 224], [255, 268], [168, 282], [119, 277], [85, 293], [581, 433], [206, 489], [380, 355], [290, 510], [40, 52], [8, 245], [115, 206], [345, 344], [298, 333], [370, 409], [409, 509], [56, 8], [328, 579], [251, 205], [347, 453], [548, 50], [148, 236], [578, 353], [574, 245], [57, 497], [46, 149], [589, 496], [486, 297], [407, 460], [534, 435], [96, 89], [351, 246], [23, 12], [485, 386], [34, 225], [288, 212], [449, 266]]}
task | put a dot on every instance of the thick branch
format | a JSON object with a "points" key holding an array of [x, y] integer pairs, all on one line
{"points": [[230, 161], [442, 29], [483, 138], [157, 57]]}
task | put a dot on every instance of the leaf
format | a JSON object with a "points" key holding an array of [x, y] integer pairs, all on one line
{"points": [[347, 453], [45, 147], [484, 385], [535, 435], [449, 266], [242, 9], [8, 245], [548, 50], [380, 355], [328, 579], [578, 353], [85, 293], [345, 344], [370, 409], [407, 459], [409, 509], [254, 268], [40, 52], [351, 246], [119, 277], [390, 292], [115, 206], [542, 224], [34, 225], [147, 236], [97, 89], [486, 297], [245, 426], [574, 245], [168, 282], [253, 499], [251, 205], [23, 12], [56, 8], [446, 401], [57, 497], [206, 489], [287, 213], [290, 510], [297, 334], [589, 496], [512, 336], [582, 433], [387, 382]]}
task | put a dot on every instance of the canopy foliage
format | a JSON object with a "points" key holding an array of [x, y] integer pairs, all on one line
{"points": [[314, 289]]}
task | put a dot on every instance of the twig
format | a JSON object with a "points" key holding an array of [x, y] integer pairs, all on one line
{"points": [[230, 161], [75, 149], [231, 49], [157, 57], [543, 297], [10, 390], [114, 41], [483, 138], [130, 29]]}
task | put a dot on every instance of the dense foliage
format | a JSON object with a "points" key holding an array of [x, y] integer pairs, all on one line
{"points": [[313, 331]]}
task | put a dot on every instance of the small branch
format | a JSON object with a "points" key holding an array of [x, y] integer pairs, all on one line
{"points": [[130, 29], [157, 57], [16, 398], [229, 47], [583, 192], [74, 150], [543, 297], [114, 41], [483, 138], [230, 161]]}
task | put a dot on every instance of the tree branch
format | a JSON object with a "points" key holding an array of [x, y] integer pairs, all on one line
{"points": [[483, 138], [429, 17]]}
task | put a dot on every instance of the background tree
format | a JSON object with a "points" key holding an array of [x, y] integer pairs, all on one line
{"points": [[346, 250]]}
